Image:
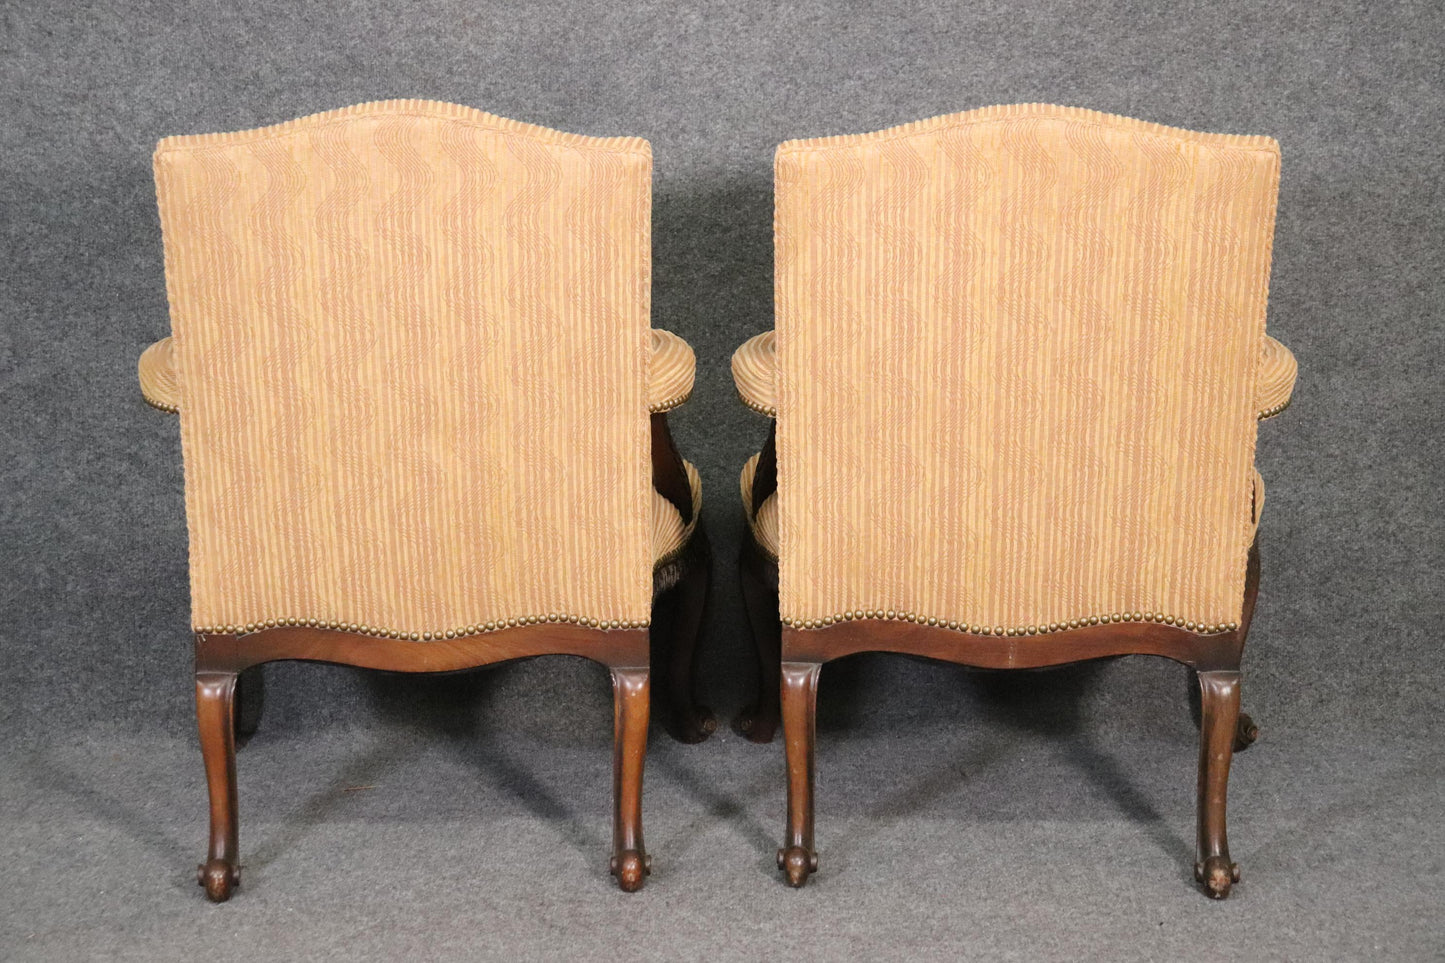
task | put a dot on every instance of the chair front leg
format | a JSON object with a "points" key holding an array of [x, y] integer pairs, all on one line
{"points": [[798, 859], [1219, 719], [630, 697], [216, 718]]}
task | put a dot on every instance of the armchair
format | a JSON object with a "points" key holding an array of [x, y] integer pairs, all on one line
{"points": [[1018, 362], [417, 393]]}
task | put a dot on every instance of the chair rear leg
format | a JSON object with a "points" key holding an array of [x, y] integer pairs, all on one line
{"points": [[630, 862], [216, 719], [690, 721], [798, 859], [1219, 721], [250, 702], [759, 721]]}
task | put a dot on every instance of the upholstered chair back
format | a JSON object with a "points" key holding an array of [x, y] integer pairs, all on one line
{"points": [[1017, 361], [412, 346]]}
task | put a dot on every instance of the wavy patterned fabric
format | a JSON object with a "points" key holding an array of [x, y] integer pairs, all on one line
{"points": [[1277, 372], [412, 345], [671, 372], [763, 523], [1018, 357], [754, 367], [156, 370], [755, 373]]}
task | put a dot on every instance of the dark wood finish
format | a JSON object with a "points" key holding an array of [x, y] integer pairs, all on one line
{"points": [[675, 642], [758, 572], [250, 702], [797, 858], [1219, 716], [220, 874], [1214, 658], [686, 585], [230, 686], [758, 721], [630, 862], [668, 475]]}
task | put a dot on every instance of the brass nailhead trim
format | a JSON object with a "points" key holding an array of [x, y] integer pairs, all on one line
{"points": [[770, 410], [479, 628], [670, 403], [1271, 412], [891, 615], [161, 406]]}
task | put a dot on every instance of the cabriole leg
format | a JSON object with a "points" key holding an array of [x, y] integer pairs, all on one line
{"points": [[1219, 719], [630, 862], [216, 718], [798, 859]]}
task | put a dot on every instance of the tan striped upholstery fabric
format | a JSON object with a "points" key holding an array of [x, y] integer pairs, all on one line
{"points": [[670, 384], [671, 372], [157, 372], [670, 376], [755, 373], [412, 349], [754, 368], [763, 523], [1018, 356], [1277, 372]]}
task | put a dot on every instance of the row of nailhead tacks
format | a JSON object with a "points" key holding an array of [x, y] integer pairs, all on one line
{"points": [[891, 615], [660, 406], [770, 410], [425, 636], [1271, 412]]}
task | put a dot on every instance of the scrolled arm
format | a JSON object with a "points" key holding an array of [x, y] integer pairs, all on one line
{"points": [[1277, 371], [671, 376], [754, 369], [160, 384]]}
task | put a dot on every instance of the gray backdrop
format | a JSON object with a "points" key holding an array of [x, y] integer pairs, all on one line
{"points": [[1039, 816]]}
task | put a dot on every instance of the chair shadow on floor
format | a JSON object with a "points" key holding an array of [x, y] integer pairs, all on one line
{"points": [[973, 733]]}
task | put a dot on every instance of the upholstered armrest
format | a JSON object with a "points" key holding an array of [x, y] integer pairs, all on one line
{"points": [[159, 385], [753, 373], [673, 367], [1277, 370]]}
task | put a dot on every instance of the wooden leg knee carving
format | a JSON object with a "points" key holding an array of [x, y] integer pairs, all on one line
{"points": [[216, 719], [798, 859], [1219, 721], [630, 862]]}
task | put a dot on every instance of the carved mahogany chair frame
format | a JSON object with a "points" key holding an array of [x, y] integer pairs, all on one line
{"points": [[229, 687], [791, 657]]}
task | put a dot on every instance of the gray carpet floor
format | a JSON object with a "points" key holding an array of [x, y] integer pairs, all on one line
{"points": [[974, 821]]}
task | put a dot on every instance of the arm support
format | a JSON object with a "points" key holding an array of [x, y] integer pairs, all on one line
{"points": [[159, 385], [754, 372], [1277, 370]]}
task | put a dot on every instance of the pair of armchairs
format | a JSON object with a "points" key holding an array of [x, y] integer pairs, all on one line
{"points": [[1018, 361]]}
